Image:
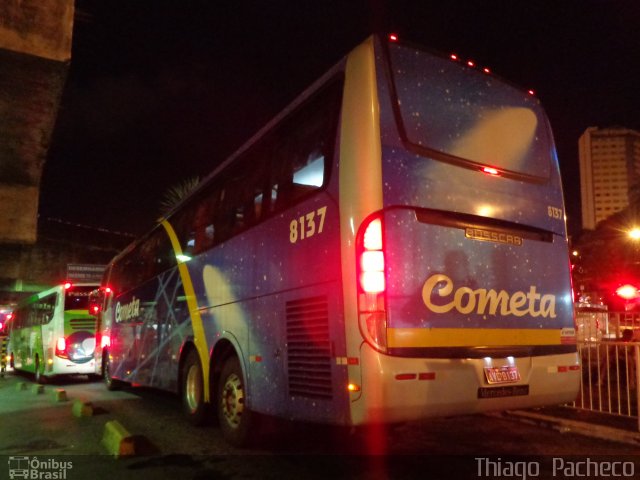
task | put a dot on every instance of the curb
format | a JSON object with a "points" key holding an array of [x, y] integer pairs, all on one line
{"points": [[582, 428]]}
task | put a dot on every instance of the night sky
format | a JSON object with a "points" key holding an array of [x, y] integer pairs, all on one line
{"points": [[159, 91]]}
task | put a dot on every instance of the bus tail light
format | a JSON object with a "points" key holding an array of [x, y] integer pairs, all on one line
{"points": [[61, 348], [371, 273], [105, 341]]}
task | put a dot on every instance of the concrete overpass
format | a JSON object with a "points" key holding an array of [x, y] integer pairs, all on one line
{"points": [[35, 55], [35, 52]]}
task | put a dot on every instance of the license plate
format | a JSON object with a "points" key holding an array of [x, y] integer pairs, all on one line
{"points": [[495, 375]]}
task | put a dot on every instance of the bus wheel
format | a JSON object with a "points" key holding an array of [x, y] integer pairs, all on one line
{"points": [[236, 421], [193, 389], [110, 382], [39, 377]]}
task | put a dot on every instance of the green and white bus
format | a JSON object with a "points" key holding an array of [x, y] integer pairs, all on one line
{"points": [[52, 333]]}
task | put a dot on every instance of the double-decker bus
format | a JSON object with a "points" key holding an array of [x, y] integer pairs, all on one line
{"points": [[392, 246], [52, 333]]}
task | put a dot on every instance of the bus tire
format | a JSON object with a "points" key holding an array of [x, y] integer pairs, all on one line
{"points": [[192, 389], [109, 382], [236, 421], [38, 374]]}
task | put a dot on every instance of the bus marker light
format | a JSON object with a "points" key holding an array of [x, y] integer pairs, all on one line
{"points": [[427, 376], [353, 387], [393, 37], [490, 171], [50, 361], [68, 285]]}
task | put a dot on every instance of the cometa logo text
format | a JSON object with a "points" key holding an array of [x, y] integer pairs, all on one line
{"points": [[128, 310], [482, 301]]}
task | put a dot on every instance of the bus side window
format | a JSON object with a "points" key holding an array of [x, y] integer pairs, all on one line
{"points": [[303, 148], [242, 197], [156, 255]]}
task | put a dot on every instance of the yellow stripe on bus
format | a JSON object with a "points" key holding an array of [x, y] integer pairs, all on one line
{"points": [[466, 337], [196, 320]]}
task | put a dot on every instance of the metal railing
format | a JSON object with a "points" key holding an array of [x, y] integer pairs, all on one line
{"points": [[610, 355]]}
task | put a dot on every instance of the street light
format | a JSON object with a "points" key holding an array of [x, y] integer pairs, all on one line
{"points": [[634, 233]]}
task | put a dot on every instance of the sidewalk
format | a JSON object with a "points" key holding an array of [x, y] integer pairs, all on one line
{"points": [[583, 422]]}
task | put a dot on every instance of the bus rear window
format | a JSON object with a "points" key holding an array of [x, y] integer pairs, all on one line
{"points": [[451, 109], [77, 298]]}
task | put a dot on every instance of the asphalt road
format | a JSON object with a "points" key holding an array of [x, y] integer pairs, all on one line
{"points": [[42, 426]]}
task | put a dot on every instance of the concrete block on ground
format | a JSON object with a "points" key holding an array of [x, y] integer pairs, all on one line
{"points": [[37, 389], [60, 395], [82, 409], [117, 440]]}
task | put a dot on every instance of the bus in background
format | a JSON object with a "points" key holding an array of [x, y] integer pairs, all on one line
{"points": [[6, 312], [52, 333], [392, 246]]}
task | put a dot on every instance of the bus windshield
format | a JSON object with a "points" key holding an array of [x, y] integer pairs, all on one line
{"points": [[467, 114]]}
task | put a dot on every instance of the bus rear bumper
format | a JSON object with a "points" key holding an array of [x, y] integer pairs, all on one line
{"points": [[63, 366], [397, 389]]}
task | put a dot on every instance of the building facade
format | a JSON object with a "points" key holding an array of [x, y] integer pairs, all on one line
{"points": [[609, 172]]}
